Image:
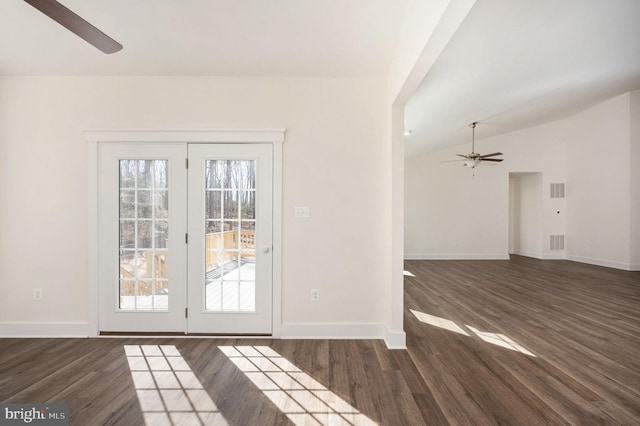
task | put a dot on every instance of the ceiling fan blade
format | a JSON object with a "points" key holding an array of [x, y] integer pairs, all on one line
{"points": [[454, 161], [76, 24], [497, 160], [490, 155], [461, 155]]}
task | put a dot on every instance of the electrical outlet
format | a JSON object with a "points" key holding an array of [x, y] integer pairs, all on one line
{"points": [[315, 294], [37, 294]]}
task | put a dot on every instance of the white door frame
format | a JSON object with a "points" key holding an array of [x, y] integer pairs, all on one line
{"points": [[254, 136]]}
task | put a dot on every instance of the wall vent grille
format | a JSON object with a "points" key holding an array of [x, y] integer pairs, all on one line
{"points": [[557, 190], [556, 242]]}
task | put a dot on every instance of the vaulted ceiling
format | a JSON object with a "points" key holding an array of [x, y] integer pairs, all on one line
{"points": [[511, 64]]}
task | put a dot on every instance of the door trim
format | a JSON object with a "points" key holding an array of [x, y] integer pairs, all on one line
{"points": [[94, 138]]}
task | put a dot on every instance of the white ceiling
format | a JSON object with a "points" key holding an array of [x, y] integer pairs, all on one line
{"points": [[517, 63], [511, 64], [207, 37]]}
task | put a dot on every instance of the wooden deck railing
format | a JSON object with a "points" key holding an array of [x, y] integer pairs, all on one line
{"points": [[221, 247]]}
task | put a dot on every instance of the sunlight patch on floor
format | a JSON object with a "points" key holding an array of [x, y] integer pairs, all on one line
{"points": [[295, 393], [438, 322], [168, 391], [408, 274], [500, 340], [493, 338]]}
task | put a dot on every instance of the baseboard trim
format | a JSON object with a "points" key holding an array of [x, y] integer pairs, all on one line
{"points": [[553, 256], [456, 257], [174, 334], [44, 329], [395, 339], [546, 256], [525, 253], [541, 256], [605, 263], [332, 331], [357, 331]]}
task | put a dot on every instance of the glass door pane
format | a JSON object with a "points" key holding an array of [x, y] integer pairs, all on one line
{"points": [[230, 235], [144, 234]]}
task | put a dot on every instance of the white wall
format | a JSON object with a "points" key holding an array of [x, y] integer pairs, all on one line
{"points": [[589, 151], [598, 184], [634, 164], [448, 214], [454, 212], [333, 154], [426, 30]]}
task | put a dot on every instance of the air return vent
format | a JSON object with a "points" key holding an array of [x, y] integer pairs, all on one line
{"points": [[557, 190], [556, 242]]}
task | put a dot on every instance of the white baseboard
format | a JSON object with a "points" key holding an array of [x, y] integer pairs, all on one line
{"points": [[44, 329], [545, 256], [332, 331], [395, 339], [605, 263], [526, 253], [542, 256], [456, 256], [549, 256]]}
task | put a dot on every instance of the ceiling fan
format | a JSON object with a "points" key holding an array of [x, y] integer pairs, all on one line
{"points": [[473, 159], [74, 23]]}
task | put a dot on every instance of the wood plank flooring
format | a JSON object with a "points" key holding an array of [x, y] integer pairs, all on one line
{"points": [[580, 324], [94, 378]]}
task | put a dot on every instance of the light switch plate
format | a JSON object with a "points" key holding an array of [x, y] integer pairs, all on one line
{"points": [[301, 212]]}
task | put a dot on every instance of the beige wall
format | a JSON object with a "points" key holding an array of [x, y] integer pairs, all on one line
{"points": [[634, 163], [598, 184], [333, 154]]}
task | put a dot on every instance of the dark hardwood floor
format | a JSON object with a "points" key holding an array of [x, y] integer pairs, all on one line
{"points": [[520, 342], [581, 322]]}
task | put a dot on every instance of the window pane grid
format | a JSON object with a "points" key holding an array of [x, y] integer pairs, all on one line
{"points": [[144, 225], [230, 235]]}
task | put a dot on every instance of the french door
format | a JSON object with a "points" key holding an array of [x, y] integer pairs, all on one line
{"points": [[230, 213], [185, 236]]}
